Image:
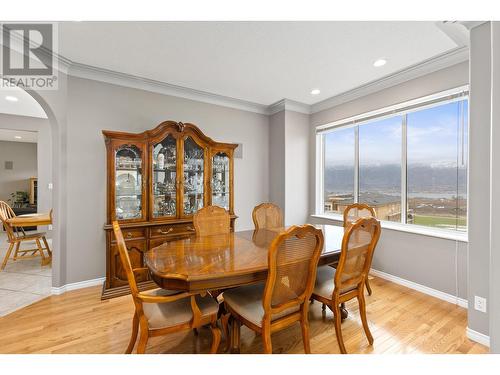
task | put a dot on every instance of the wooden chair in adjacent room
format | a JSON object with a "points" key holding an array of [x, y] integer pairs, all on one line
{"points": [[352, 213], [16, 236], [283, 300], [211, 220], [336, 286], [159, 312], [267, 216]]}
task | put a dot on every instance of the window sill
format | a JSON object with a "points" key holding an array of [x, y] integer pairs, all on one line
{"points": [[408, 228]]}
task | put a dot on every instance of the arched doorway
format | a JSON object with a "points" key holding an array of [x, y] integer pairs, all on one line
{"points": [[29, 281]]}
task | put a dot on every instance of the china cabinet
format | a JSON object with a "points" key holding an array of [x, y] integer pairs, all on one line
{"points": [[156, 181]]}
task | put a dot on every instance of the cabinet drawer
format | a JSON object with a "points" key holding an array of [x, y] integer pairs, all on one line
{"points": [[131, 234], [172, 230]]}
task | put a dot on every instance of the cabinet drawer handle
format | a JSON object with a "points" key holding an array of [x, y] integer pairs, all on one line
{"points": [[191, 229], [129, 235], [163, 231]]}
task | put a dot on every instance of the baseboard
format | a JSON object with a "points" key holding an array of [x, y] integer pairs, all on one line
{"points": [[78, 285], [421, 288], [478, 337]]}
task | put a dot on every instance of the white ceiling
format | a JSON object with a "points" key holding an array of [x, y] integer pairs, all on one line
{"points": [[10, 135], [261, 62], [25, 105]]}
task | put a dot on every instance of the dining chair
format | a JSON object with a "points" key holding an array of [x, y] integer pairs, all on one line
{"points": [[159, 312], [211, 220], [16, 236], [336, 286], [283, 300], [267, 216], [351, 214]]}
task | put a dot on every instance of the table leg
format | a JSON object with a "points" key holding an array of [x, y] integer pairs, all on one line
{"points": [[343, 311], [235, 332]]}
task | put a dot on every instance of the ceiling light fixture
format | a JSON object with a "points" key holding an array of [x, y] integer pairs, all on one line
{"points": [[380, 62], [18, 137], [315, 92], [11, 98]]}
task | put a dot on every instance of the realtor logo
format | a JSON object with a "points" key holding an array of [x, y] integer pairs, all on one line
{"points": [[28, 56]]}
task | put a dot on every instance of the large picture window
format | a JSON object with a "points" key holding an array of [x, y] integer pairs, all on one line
{"points": [[410, 164]]}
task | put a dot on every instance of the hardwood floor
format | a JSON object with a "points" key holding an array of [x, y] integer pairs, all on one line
{"points": [[401, 320]]}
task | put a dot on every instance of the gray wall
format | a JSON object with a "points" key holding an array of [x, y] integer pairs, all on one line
{"points": [[277, 159], [296, 167], [479, 173], [494, 310], [94, 106], [433, 262], [23, 155]]}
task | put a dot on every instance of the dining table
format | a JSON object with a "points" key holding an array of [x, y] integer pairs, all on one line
{"points": [[30, 220], [221, 261]]}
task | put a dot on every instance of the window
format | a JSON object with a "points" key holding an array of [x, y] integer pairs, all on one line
{"points": [[409, 163], [339, 169], [380, 167]]}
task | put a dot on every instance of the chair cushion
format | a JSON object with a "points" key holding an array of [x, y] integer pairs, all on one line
{"points": [[169, 314], [247, 302], [324, 282]]}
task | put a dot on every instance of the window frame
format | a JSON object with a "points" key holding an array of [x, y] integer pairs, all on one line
{"points": [[401, 109]]}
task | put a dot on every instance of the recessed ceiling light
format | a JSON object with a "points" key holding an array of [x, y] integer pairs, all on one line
{"points": [[11, 98], [315, 92], [18, 137], [380, 62]]}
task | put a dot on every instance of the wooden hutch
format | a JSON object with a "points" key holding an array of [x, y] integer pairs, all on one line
{"points": [[156, 181]]}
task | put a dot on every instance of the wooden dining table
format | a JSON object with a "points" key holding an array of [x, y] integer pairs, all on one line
{"points": [[30, 220], [217, 262]]}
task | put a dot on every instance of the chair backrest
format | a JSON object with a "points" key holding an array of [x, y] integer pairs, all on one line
{"points": [[267, 216], [293, 260], [125, 259], [355, 211], [356, 255], [211, 220], [7, 213]]}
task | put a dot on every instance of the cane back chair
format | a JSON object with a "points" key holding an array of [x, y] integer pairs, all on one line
{"points": [[336, 286], [283, 300]]}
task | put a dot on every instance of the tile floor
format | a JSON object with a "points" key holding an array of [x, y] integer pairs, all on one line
{"points": [[22, 282]]}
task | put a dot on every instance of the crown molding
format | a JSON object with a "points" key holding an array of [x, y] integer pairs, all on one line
{"points": [[141, 83], [288, 105], [444, 60]]}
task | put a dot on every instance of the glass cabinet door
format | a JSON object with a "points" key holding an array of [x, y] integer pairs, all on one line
{"points": [[193, 176], [164, 178], [220, 180], [128, 182]]}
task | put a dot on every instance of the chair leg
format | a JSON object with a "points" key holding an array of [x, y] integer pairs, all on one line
{"points": [[235, 335], [7, 255], [45, 242], [18, 244], [362, 313], [323, 307], [143, 340], [368, 287], [225, 328], [216, 336], [266, 339], [133, 336], [338, 327], [195, 331], [45, 261], [304, 325]]}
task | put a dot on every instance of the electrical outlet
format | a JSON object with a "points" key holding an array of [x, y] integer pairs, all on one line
{"points": [[50, 226], [480, 303], [50, 186]]}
